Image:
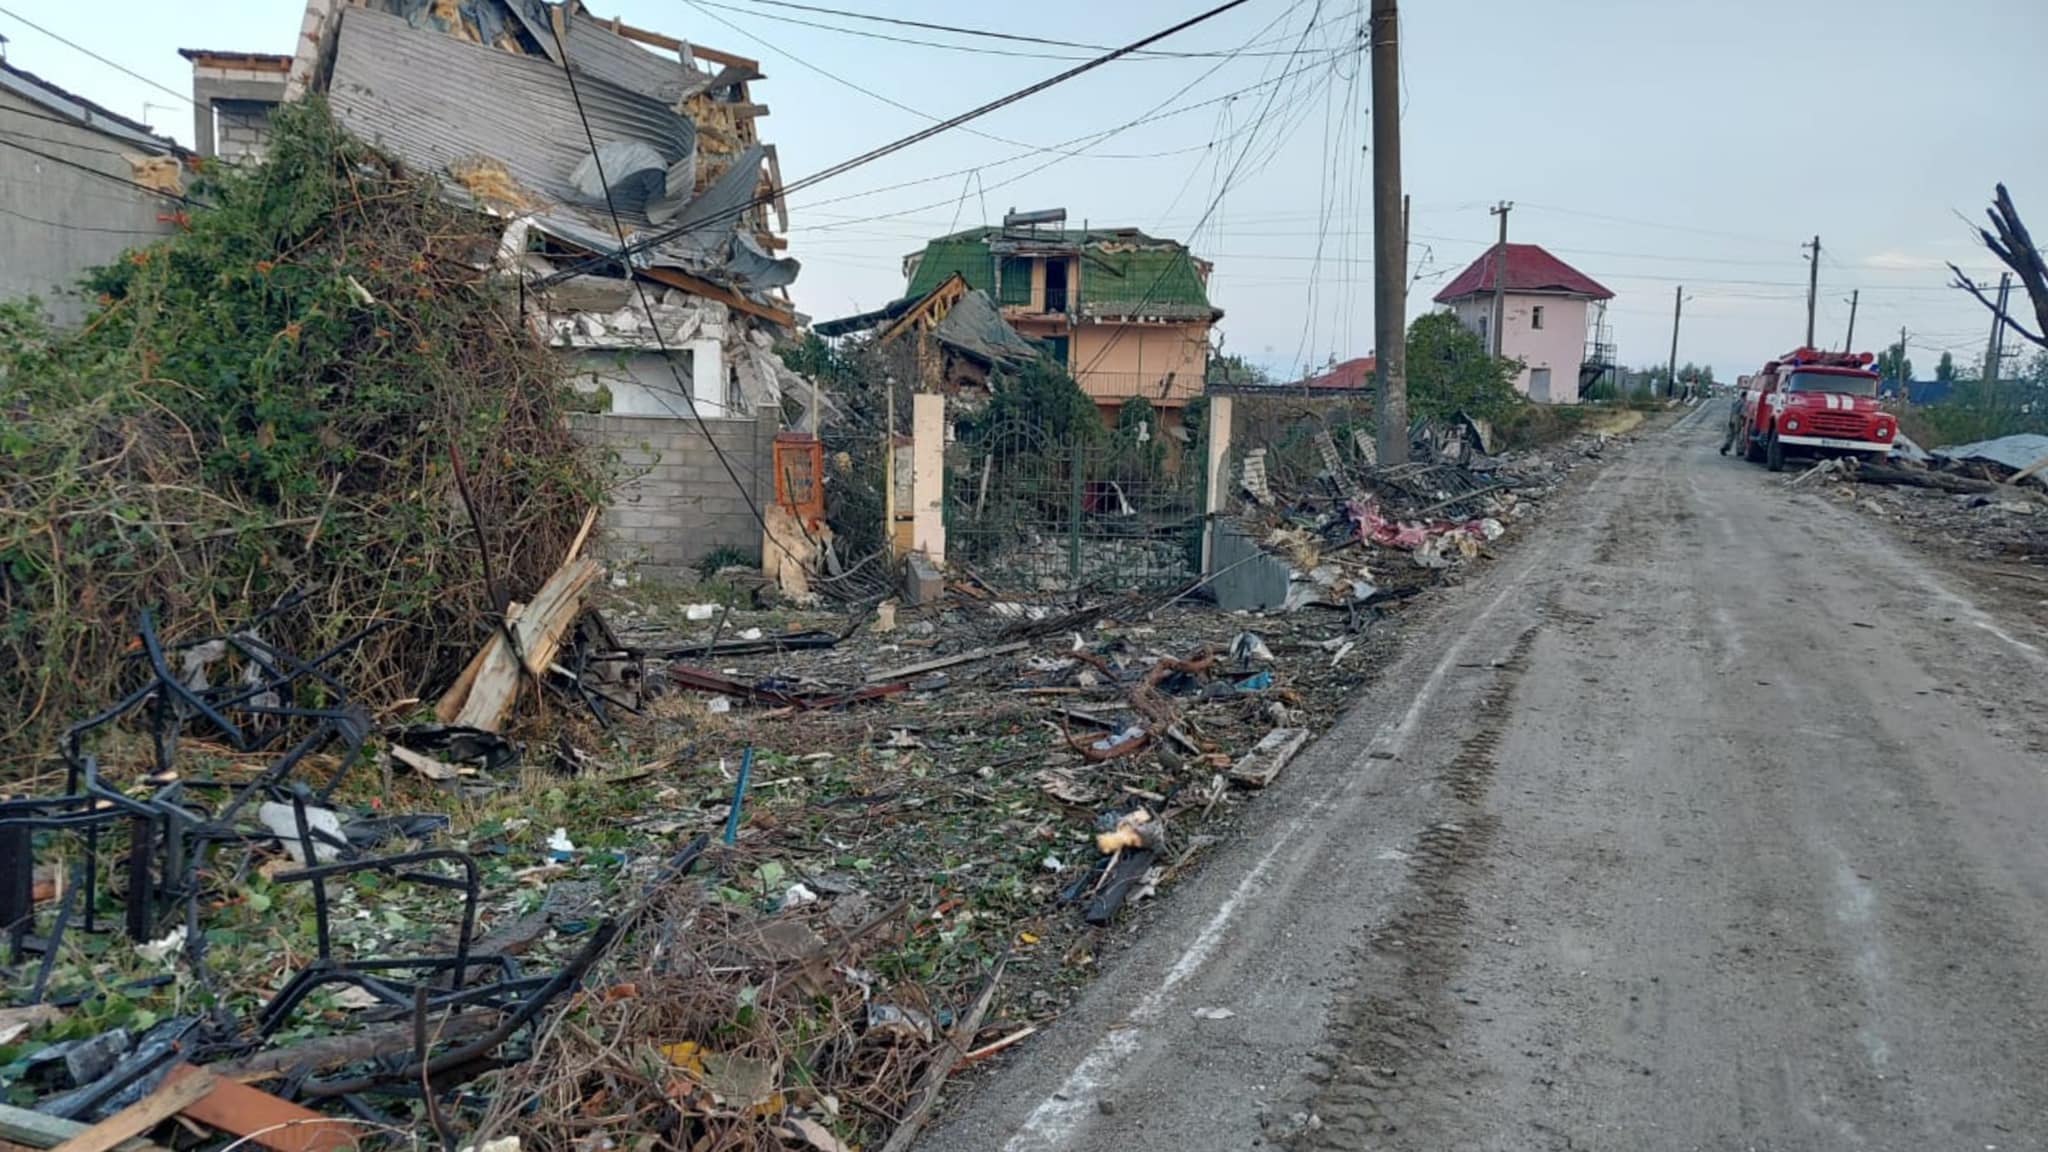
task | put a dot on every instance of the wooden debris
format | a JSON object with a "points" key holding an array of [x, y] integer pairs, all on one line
{"points": [[538, 628], [171, 1097], [23, 1128], [942, 1065], [349, 1048], [264, 1119], [425, 765], [969, 657], [1259, 766]]}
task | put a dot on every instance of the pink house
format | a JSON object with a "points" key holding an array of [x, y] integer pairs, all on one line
{"points": [[1555, 315]]}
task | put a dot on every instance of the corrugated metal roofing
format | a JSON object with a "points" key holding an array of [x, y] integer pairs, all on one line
{"points": [[71, 106], [440, 102]]}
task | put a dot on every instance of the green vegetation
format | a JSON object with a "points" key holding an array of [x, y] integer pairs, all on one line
{"points": [[1449, 372], [268, 402]]}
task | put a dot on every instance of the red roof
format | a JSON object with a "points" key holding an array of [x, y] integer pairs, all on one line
{"points": [[1350, 374], [1530, 269]]}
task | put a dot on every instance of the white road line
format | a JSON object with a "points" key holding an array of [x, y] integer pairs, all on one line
{"points": [[1053, 1122]]}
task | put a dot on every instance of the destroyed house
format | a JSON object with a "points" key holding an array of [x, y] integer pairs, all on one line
{"points": [[1128, 314], [651, 262]]}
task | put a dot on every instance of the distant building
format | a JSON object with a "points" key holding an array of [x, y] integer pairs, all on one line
{"points": [[233, 95], [1555, 319], [1353, 375], [79, 185], [1128, 314]]}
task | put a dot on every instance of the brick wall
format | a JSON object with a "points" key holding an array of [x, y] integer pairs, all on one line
{"points": [[675, 502]]}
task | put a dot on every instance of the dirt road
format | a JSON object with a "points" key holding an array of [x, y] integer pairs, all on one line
{"points": [[1711, 819]]}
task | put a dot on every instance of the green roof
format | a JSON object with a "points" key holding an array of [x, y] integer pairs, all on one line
{"points": [[1123, 271]]}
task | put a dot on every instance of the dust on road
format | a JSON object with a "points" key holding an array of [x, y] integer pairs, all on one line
{"points": [[1711, 820]]}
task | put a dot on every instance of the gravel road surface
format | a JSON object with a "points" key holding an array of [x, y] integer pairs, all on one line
{"points": [[1711, 818]]}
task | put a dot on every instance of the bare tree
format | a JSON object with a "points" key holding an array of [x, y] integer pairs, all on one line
{"points": [[2009, 241]]}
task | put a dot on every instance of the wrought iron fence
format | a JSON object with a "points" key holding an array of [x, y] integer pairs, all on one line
{"points": [[1032, 513]]}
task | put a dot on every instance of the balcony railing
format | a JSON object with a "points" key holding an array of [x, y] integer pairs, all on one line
{"points": [[1153, 386]]}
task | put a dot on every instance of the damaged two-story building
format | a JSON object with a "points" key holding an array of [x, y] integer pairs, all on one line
{"points": [[651, 261]]}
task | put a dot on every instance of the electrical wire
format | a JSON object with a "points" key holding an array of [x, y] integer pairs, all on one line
{"points": [[1215, 202], [76, 46], [991, 34], [90, 170], [4, 211], [663, 236], [647, 305]]}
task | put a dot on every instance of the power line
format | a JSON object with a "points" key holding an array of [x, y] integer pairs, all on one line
{"points": [[987, 33], [77, 227], [647, 305], [76, 46], [1216, 201], [1080, 153], [90, 170], [663, 236]]}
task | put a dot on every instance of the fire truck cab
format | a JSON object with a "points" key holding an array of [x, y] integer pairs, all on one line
{"points": [[1813, 403]]}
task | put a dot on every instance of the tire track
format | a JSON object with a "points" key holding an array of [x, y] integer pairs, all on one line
{"points": [[1390, 1058]]}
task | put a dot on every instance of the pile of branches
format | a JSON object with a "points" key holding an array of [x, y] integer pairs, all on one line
{"points": [[713, 1027], [273, 401]]}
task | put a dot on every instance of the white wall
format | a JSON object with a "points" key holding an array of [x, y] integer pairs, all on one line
{"points": [[1560, 345]]}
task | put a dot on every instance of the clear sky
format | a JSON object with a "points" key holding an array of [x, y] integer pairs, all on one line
{"points": [[1647, 142]]}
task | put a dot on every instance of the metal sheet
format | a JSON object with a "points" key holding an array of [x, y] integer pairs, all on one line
{"points": [[2012, 451]]}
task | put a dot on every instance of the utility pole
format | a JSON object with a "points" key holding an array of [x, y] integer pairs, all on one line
{"points": [[1812, 287], [1992, 347], [1905, 393], [1390, 236], [1849, 341], [1500, 274], [1671, 373]]}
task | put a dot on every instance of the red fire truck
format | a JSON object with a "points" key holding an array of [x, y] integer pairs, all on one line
{"points": [[1812, 403]]}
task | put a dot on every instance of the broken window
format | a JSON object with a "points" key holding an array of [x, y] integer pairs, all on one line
{"points": [[1056, 285], [1013, 279]]}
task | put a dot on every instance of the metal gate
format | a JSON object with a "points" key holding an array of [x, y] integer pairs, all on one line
{"points": [[1030, 513]]}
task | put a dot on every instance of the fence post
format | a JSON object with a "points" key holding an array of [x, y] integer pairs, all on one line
{"points": [[928, 475], [1215, 476], [1077, 470]]}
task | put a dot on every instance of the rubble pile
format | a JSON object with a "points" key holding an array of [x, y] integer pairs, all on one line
{"points": [[1986, 502], [1362, 533]]}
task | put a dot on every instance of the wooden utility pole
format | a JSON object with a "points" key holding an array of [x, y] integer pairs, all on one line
{"points": [[1671, 373], [1812, 287], [1849, 341], [1390, 238], [1500, 274], [1991, 347]]}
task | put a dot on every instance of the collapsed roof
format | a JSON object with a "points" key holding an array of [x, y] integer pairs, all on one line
{"points": [[1125, 274], [478, 91]]}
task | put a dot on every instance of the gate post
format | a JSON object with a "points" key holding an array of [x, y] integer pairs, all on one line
{"points": [[1215, 476], [928, 475]]}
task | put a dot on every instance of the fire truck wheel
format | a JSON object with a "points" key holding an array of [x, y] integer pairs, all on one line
{"points": [[1774, 454]]}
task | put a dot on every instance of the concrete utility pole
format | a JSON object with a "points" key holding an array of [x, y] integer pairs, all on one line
{"points": [[1905, 393], [1671, 374], [1992, 348], [1849, 341], [1812, 287], [1500, 273], [1390, 238]]}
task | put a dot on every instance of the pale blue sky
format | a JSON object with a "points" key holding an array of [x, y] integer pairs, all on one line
{"points": [[1647, 142]]}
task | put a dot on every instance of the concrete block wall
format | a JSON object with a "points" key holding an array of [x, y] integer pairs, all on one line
{"points": [[675, 502], [241, 129]]}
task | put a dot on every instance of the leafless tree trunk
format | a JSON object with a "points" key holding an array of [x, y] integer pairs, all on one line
{"points": [[2009, 241]]}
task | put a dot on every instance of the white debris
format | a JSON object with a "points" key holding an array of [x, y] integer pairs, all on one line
{"points": [[280, 820]]}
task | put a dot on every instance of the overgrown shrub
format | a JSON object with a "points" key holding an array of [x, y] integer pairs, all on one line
{"points": [[269, 402]]}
